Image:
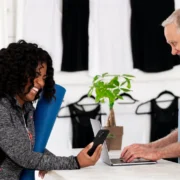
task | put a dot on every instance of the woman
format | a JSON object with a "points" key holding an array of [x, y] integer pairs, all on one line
{"points": [[26, 69]]}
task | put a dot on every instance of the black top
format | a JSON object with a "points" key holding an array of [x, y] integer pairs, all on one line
{"points": [[81, 124], [163, 121], [75, 20], [150, 51]]}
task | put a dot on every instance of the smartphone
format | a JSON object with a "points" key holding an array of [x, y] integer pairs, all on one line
{"points": [[99, 139]]}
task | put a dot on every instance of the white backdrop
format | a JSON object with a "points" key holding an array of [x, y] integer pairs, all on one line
{"points": [[145, 86], [3, 24]]}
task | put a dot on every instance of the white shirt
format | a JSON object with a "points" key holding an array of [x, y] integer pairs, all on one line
{"points": [[40, 22], [109, 37]]}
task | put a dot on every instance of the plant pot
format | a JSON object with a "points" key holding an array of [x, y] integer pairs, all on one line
{"points": [[114, 142]]}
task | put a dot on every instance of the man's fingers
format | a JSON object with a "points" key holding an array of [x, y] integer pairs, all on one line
{"points": [[124, 152], [127, 152], [131, 158], [127, 155]]}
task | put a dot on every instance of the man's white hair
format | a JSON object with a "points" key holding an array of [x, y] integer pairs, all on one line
{"points": [[173, 18]]}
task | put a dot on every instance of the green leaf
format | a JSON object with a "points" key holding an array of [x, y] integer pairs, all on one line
{"points": [[128, 83], [128, 75], [98, 91], [105, 94], [110, 86], [104, 74], [116, 91], [98, 97], [125, 90], [116, 82], [123, 83], [114, 78], [102, 100], [102, 92], [99, 94], [110, 94], [120, 97], [110, 135], [95, 78], [90, 91], [101, 84], [96, 85]]}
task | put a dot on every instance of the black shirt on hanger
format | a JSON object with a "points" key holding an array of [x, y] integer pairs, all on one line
{"points": [[75, 21], [81, 124], [150, 51], [163, 120]]}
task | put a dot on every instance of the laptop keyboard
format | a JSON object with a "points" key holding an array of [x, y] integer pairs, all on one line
{"points": [[119, 160]]}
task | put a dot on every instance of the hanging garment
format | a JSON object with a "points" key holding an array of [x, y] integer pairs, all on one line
{"points": [[40, 22], [75, 22], [109, 37], [3, 24], [151, 53], [163, 120], [81, 125]]}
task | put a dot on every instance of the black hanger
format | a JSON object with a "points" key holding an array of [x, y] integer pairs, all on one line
{"points": [[77, 103], [142, 105], [165, 92], [160, 94], [128, 95], [83, 97]]}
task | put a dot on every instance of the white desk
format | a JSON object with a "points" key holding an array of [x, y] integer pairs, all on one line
{"points": [[163, 170]]}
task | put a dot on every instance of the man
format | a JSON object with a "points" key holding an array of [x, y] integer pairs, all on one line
{"points": [[167, 147]]}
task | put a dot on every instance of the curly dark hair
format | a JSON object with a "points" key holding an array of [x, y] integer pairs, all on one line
{"points": [[18, 63]]}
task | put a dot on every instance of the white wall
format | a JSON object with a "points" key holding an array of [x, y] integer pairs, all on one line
{"points": [[145, 85], [11, 12]]}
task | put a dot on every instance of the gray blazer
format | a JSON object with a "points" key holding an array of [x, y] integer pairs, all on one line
{"points": [[18, 147]]}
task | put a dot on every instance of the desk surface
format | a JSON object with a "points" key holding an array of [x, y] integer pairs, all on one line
{"points": [[163, 170]]}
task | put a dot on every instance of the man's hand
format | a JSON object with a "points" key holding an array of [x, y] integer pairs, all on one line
{"points": [[42, 174], [85, 160], [134, 151]]}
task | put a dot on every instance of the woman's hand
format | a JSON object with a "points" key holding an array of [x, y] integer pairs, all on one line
{"points": [[42, 174], [85, 160]]}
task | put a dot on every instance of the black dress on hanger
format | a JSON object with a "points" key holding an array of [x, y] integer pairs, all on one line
{"points": [[75, 20], [150, 51], [81, 125]]}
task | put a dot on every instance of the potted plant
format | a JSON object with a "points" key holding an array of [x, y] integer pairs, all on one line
{"points": [[109, 87]]}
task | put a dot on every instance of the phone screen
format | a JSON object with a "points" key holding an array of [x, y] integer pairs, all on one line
{"points": [[99, 139]]}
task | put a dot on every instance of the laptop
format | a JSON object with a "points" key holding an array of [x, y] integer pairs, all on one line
{"points": [[96, 126], [119, 162]]}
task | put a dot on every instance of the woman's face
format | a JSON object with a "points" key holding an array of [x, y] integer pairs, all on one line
{"points": [[39, 83]]}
